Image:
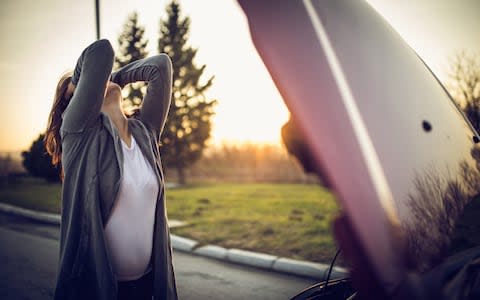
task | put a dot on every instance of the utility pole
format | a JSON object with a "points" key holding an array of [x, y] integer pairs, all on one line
{"points": [[97, 17]]}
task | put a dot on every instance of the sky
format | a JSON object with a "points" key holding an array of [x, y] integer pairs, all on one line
{"points": [[42, 39]]}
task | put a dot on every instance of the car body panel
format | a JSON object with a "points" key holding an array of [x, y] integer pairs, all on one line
{"points": [[381, 127]]}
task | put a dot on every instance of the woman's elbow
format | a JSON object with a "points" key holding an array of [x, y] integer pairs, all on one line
{"points": [[164, 64], [168, 62], [102, 47]]}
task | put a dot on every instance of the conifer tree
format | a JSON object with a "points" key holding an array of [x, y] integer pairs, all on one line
{"points": [[188, 125], [132, 47]]}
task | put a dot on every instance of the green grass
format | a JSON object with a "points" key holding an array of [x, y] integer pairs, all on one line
{"points": [[290, 220], [32, 193]]}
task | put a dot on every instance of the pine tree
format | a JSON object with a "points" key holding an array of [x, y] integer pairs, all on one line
{"points": [[132, 47], [188, 125]]}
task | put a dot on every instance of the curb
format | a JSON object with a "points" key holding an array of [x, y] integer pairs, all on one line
{"points": [[259, 260], [32, 214]]}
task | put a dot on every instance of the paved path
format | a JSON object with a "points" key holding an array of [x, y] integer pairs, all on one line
{"points": [[29, 253]]}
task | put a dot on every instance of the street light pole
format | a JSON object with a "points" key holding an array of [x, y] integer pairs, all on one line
{"points": [[97, 17]]}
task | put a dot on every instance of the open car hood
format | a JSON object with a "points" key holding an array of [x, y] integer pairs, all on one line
{"points": [[395, 148]]}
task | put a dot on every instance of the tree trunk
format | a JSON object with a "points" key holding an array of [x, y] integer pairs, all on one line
{"points": [[181, 175]]}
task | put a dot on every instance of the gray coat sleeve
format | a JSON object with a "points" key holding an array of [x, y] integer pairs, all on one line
{"points": [[90, 76], [157, 71]]}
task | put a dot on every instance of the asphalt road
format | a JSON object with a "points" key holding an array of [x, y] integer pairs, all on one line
{"points": [[29, 254]]}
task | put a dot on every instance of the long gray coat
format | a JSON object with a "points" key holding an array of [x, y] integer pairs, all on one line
{"points": [[92, 160]]}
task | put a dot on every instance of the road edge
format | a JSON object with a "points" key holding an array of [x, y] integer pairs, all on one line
{"points": [[259, 260]]}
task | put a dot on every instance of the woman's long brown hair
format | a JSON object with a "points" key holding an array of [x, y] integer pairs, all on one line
{"points": [[52, 140]]}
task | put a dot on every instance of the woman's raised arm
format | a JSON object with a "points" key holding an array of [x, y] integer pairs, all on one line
{"points": [[157, 71], [90, 77]]}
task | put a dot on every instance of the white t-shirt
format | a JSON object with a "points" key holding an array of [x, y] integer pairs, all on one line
{"points": [[129, 230]]}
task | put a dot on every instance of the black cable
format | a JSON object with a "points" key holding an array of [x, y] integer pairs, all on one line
{"points": [[330, 271]]}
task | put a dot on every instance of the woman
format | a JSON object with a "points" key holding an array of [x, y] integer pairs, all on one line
{"points": [[114, 238]]}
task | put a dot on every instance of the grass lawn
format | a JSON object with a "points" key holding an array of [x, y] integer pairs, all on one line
{"points": [[290, 220], [33, 193]]}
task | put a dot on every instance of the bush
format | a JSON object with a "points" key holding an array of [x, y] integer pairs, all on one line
{"points": [[39, 163]]}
